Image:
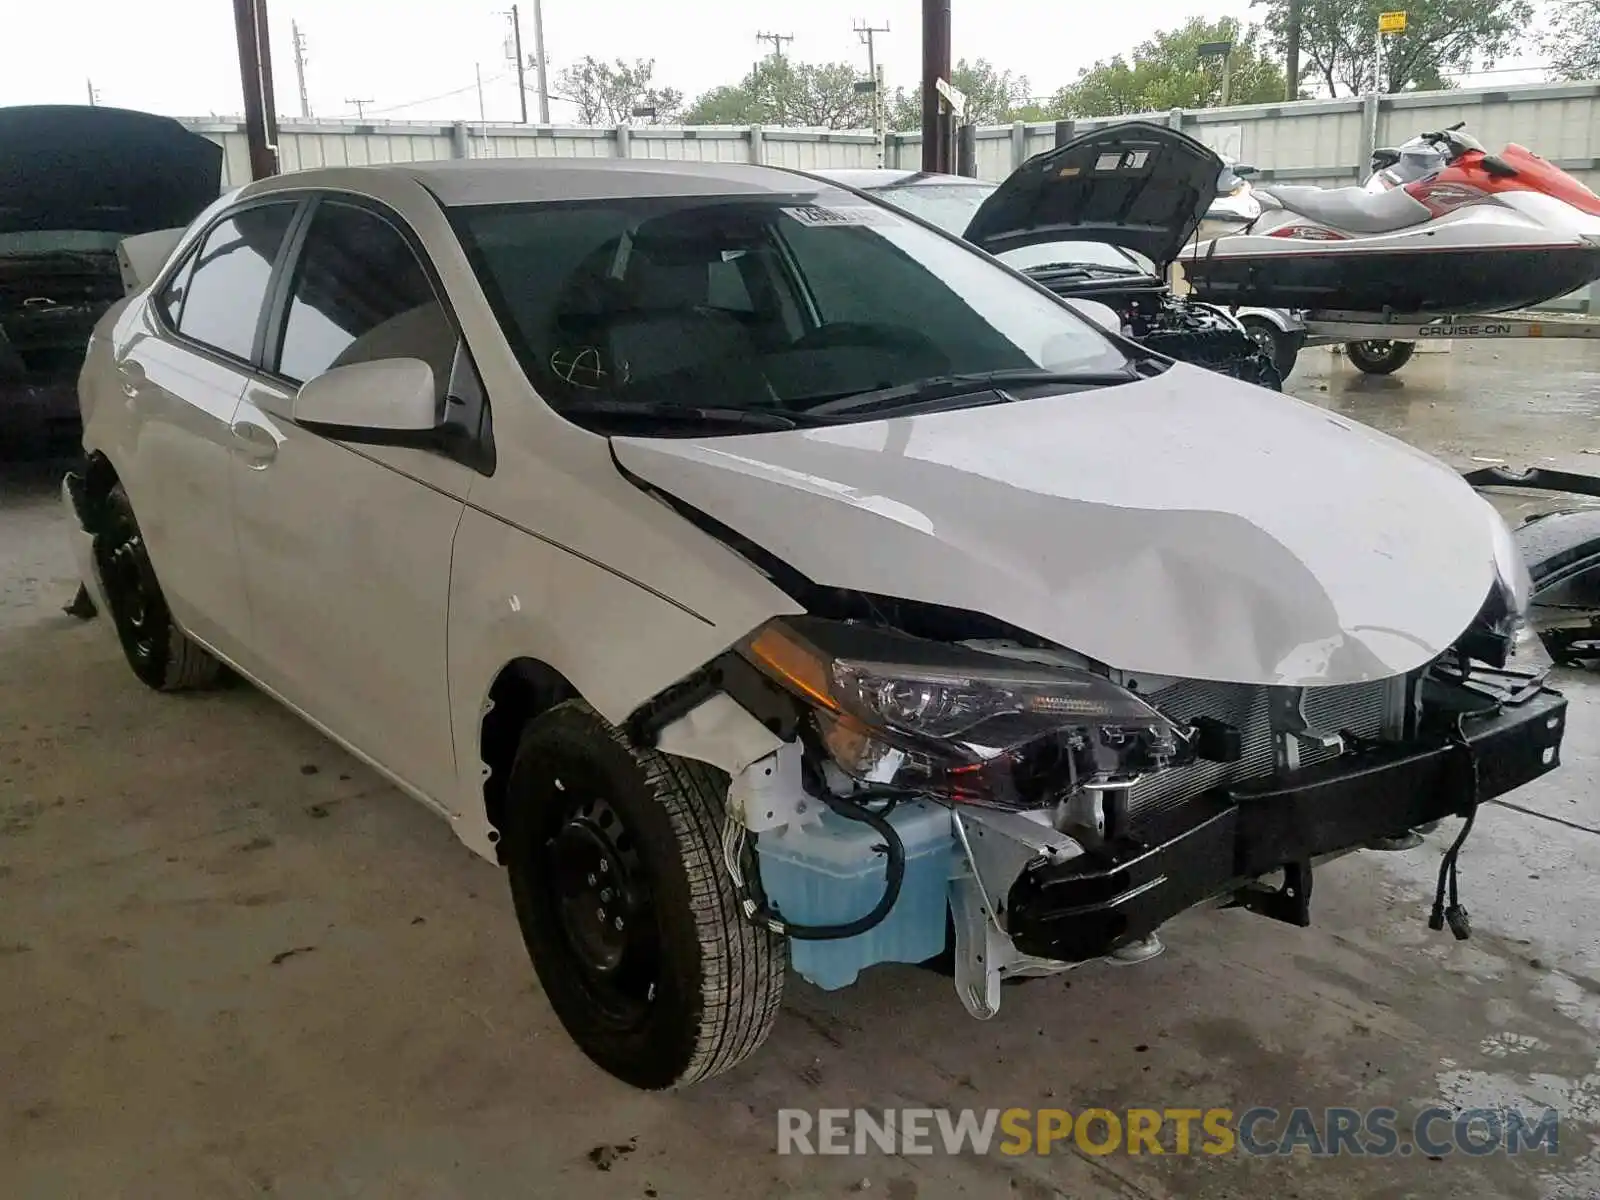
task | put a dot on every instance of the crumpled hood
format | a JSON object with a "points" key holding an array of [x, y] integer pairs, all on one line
{"points": [[1185, 525]]}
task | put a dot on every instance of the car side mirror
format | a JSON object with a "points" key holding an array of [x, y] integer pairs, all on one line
{"points": [[1099, 314], [387, 401], [1244, 171]]}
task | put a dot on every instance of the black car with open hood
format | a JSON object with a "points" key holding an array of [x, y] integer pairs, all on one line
{"points": [[75, 181], [1136, 185]]}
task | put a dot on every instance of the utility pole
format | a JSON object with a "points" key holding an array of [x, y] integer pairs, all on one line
{"points": [[544, 67], [1291, 40], [94, 93], [300, 68], [865, 32], [361, 106], [516, 43], [777, 40], [935, 70]]}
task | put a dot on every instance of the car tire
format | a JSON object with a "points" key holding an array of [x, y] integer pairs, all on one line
{"points": [[632, 922], [1277, 345], [1379, 357], [161, 655]]}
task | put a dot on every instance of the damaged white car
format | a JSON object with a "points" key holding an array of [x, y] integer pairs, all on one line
{"points": [[765, 577]]}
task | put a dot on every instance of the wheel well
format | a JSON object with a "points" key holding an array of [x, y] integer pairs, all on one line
{"points": [[524, 688]]}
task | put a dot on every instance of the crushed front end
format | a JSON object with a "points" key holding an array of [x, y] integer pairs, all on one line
{"points": [[1051, 811]]}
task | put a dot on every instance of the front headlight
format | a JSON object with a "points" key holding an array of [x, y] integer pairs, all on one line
{"points": [[948, 719]]}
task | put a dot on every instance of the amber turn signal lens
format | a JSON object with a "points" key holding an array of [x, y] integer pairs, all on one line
{"points": [[796, 664]]}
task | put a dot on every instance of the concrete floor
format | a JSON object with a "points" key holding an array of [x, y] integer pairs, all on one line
{"points": [[235, 963]]}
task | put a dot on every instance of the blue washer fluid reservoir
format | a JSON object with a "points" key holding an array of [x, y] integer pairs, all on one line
{"points": [[827, 873]]}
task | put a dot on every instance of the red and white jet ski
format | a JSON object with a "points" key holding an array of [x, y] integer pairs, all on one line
{"points": [[1481, 233]]}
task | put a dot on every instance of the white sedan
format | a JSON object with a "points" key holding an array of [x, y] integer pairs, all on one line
{"points": [[766, 578]]}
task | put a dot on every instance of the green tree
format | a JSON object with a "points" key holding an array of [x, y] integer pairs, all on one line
{"points": [[994, 97], [608, 93], [1442, 37], [779, 91], [1167, 72], [1572, 41]]}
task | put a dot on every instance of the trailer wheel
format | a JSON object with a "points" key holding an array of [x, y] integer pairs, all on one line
{"points": [[633, 925], [1377, 357], [1280, 347]]}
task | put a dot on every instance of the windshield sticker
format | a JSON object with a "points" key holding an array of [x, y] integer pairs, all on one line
{"points": [[816, 216]]}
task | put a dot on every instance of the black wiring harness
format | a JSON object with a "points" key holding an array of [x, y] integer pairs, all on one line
{"points": [[852, 808]]}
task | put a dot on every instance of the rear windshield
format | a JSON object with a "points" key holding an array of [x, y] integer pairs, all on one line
{"points": [[755, 302]]}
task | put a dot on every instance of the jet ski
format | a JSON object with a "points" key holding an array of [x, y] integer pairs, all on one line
{"points": [[1235, 207], [1481, 233]]}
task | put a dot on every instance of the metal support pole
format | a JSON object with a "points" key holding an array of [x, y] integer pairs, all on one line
{"points": [[967, 151], [935, 66], [255, 76]]}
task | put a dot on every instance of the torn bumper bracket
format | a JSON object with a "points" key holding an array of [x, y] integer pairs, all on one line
{"points": [[1222, 842]]}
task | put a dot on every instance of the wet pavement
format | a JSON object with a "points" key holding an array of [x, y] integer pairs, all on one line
{"points": [[235, 963]]}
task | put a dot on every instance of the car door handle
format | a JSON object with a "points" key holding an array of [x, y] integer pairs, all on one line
{"points": [[255, 442]]}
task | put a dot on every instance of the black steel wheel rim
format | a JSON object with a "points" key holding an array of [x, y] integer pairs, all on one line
{"points": [[600, 893], [133, 588]]}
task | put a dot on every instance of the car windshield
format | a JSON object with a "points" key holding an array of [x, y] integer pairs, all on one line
{"points": [[951, 206], [774, 302]]}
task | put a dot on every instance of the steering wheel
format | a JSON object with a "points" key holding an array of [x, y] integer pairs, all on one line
{"points": [[878, 337]]}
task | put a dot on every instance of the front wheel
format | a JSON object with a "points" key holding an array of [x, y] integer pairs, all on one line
{"points": [[1379, 357], [627, 912]]}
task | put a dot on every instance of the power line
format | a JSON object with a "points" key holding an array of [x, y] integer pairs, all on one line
{"points": [[361, 107], [430, 99]]}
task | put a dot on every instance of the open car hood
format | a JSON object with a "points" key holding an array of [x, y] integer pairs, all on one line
{"points": [[105, 169], [1136, 185], [1185, 525]]}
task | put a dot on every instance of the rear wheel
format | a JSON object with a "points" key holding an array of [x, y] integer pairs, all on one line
{"points": [[160, 653], [627, 912], [1379, 357]]}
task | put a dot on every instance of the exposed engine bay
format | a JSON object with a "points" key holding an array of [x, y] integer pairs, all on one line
{"points": [[49, 303], [948, 794], [1178, 327]]}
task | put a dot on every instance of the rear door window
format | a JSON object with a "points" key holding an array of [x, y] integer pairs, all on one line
{"points": [[222, 306]]}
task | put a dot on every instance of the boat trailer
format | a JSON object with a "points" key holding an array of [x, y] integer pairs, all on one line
{"points": [[1381, 343]]}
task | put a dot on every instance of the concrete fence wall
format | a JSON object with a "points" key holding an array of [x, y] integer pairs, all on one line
{"points": [[1311, 141]]}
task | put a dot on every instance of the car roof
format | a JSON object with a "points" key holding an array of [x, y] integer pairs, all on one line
{"points": [[508, 180]]}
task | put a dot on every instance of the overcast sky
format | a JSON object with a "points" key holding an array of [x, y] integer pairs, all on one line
{"points": [[178, 56]]}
